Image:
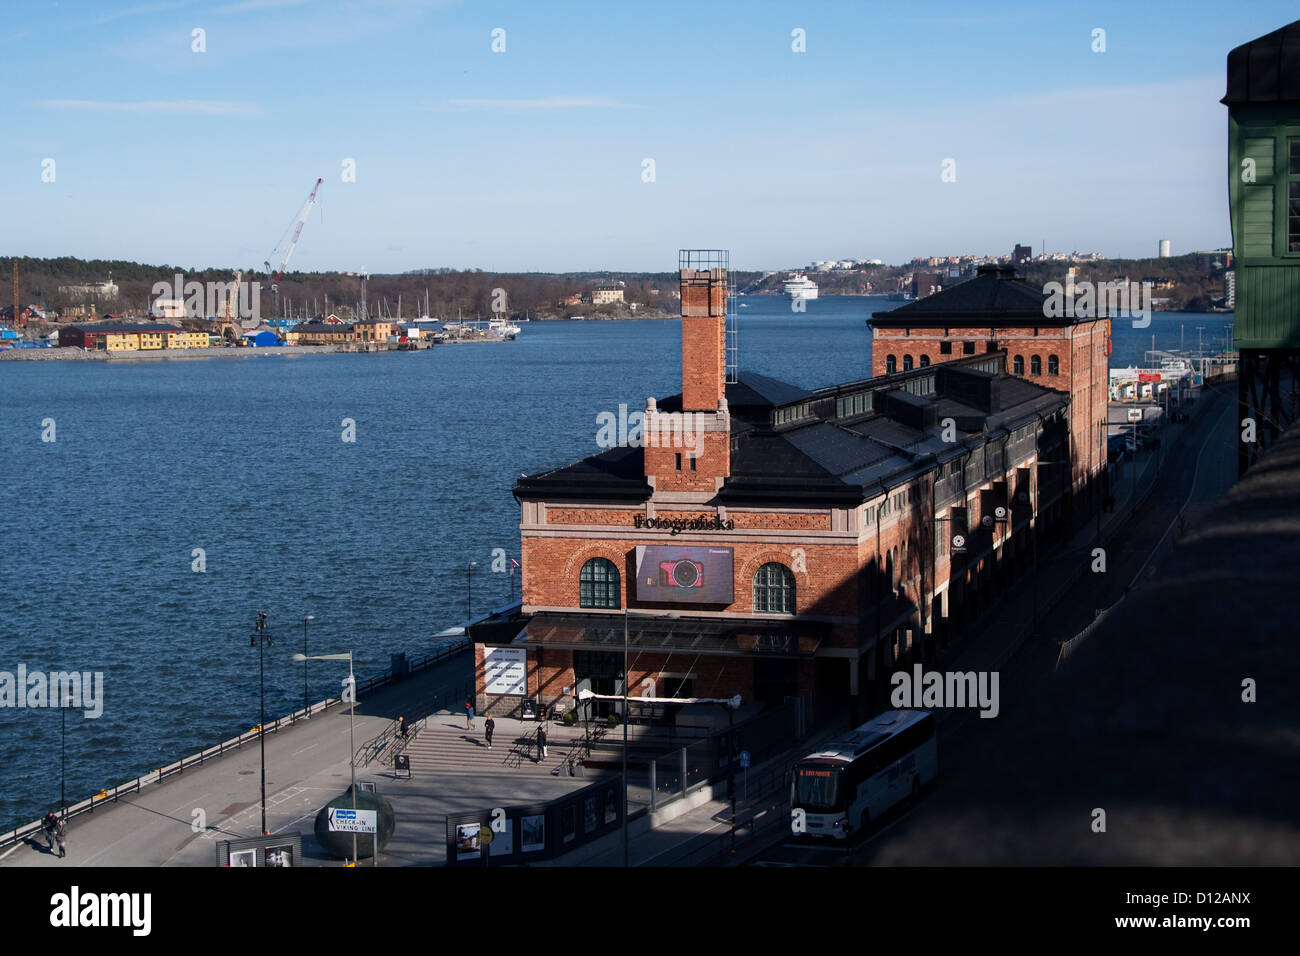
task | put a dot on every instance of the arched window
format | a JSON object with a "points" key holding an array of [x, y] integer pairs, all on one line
{"points": [[598, 584], [774, 589], [907, 363], [891, 365], [1053, 365], [1036, 365], [925, 360], [1018, 365]]}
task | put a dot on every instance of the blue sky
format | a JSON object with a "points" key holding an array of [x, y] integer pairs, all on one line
{"points": [[533, 158]]}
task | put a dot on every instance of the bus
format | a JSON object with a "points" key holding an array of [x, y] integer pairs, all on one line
{"points": [[859, 776]]}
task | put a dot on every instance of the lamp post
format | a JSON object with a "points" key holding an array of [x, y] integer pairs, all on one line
{"points": [[671, 615], [469, 590], [261, 640], [305, 705], [352, 750], [65, 699]]}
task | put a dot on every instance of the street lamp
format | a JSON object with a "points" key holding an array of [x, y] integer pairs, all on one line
{"points": [[262, 640], [352, 750], [671, 615], [65, 701], [305, 705]]}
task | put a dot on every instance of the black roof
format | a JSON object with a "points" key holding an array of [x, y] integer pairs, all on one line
{"points": [[820, 457], [1266, 70], [996, 296]]}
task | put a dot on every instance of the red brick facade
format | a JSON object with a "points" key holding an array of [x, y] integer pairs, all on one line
{"points": [[1071, 358]]}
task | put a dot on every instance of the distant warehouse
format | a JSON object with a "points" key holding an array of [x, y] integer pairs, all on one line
{"points": [[114, 336]]}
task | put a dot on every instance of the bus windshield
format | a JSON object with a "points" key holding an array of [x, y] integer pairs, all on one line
{"points": [[814, 787]]}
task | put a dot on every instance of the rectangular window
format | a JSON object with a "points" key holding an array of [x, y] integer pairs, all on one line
{"points": [[679, 461], [968, 348], [945, 348], [692, 462]]}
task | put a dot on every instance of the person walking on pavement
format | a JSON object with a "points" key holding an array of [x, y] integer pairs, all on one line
{"points": [[488, 727], [469, 714], [401, 726], [541, 743], [60, 835], [49, 825]]}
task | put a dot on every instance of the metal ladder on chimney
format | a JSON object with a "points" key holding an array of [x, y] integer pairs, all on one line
{"points": [[732, 343]]}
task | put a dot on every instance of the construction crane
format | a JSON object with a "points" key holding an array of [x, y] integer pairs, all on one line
{"points": [[296, 226]]}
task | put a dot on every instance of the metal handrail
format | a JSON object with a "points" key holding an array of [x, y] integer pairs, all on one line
{"points": [[20, 833]]}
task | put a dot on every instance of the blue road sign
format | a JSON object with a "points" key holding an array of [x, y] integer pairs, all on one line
{"points": [[744, 759]]}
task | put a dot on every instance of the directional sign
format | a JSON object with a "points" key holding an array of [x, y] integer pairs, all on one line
{"points": [[353, 821], [744, 759], [1135, 414]]}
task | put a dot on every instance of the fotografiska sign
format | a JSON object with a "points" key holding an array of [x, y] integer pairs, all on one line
{"points": [[678, 525]]}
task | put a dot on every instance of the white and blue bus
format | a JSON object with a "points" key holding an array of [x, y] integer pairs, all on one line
{"points": [[859, 776]]}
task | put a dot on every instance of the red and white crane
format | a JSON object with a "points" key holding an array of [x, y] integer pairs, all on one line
{"points": [[297, 231]]}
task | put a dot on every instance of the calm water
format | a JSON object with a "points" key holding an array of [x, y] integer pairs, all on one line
{"points": [[244, 459]]}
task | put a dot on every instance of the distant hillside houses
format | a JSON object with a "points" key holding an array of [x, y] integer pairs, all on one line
{"points": [[607, 293], [100, 290]]}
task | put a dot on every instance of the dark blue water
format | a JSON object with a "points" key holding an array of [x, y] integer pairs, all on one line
{"points": [[244, 459]]}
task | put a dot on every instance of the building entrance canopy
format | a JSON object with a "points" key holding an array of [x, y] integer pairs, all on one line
{"points": [[729, 637]]}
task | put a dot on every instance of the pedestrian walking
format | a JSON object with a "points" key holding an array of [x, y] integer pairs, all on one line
{"points": [[469, 714], [401, 726], [49, 824], [60, 835], [541, 743], [488, 727]]}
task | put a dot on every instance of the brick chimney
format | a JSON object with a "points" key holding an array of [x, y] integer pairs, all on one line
{"points": [[690, 451]]}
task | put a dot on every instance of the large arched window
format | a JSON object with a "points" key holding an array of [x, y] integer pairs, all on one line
{"points": [[925, 360], [1036, 365], [598, 584], [774, 589], [891, 365], [907, 363], [1053, 365], [1018, 365]]}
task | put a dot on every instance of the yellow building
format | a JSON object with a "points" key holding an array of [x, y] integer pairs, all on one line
{"points": [[373, 330], [187, 339]]}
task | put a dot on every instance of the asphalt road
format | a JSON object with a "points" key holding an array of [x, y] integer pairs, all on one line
{"points": [[1201, 466]]}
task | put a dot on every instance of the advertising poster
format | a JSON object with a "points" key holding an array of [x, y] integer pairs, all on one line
{"points": [[589, 818], [532, 833], [569, 821], [505, 670], [243, 858], [684, 574], [503, 843], [611, 806], [467, 842], [279, 855]]}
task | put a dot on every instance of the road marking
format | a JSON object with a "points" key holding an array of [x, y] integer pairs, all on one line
{"points": [[305, 749]]}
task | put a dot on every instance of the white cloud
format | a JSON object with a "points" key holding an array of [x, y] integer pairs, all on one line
{"points": [[168, 107]]}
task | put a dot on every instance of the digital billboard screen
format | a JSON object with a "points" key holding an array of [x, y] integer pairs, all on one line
{"points": [[684, 574]]}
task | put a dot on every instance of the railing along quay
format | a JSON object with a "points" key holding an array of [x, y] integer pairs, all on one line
{"points": [[18, 834]]}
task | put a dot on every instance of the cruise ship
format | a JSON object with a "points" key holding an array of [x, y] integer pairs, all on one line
{"points": [[800, 287]]}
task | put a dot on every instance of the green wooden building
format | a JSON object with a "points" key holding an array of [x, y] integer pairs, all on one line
{"points": [[1263, 101]]}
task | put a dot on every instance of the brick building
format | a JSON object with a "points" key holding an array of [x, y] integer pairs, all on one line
{"points": [[995, 312], [774, 542]]}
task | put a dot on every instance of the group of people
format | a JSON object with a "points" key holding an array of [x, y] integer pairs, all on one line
{"points": [[490, 726], [55, 832]]}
